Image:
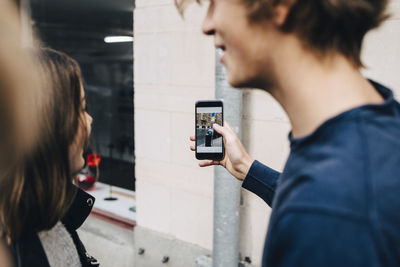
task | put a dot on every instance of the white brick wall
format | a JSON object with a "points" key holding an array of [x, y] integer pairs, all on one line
{"points": [[174, 67], [382, 51]]}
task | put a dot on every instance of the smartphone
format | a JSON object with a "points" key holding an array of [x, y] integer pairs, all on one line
{"points": [[209, 143]]}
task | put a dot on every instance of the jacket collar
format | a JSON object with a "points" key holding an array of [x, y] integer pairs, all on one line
{"points": [[79, 210]]}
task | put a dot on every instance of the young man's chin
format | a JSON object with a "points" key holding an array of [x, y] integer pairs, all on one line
{"points": [[235, 81], [242, 83]]}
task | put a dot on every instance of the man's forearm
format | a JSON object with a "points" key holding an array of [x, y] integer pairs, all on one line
{"points": [[261, 180]]}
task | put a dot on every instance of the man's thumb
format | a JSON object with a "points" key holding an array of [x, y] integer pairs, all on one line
{"points": [[219, 129]]}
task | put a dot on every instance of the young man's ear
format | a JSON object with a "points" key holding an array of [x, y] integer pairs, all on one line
{"points": [[281, 12]]}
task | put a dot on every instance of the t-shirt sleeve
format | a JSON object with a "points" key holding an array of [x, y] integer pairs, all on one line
{"points": [[261, 180], [306, 239]]}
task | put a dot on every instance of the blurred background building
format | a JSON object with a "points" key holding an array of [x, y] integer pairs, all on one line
{"points": [[80, 28], [142, 99], [90, 31]]}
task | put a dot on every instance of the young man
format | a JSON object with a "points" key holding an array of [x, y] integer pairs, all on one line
{"points": [[337, 201]]}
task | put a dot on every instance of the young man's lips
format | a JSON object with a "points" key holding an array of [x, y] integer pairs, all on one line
{"points": [[221, 59], [221, 53]]}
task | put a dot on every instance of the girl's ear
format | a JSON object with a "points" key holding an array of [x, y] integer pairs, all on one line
{"points": [[281, 12]]}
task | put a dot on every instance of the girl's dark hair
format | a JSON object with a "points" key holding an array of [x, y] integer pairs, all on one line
{"points": [[38, 193]]}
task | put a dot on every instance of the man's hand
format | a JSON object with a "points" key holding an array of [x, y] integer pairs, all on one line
{"points": [[237, 161]]}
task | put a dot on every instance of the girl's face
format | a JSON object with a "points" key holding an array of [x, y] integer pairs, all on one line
{"points": [[76, 150]]}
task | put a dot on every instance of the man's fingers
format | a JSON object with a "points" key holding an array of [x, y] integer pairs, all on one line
{"points": [[206, 163], [192, 138], [192, 148]]}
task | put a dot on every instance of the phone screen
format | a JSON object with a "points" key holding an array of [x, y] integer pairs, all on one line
{"points": [[209, 143]]}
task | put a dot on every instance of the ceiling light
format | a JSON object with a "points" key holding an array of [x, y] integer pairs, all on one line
{"points": [[118, 39]]}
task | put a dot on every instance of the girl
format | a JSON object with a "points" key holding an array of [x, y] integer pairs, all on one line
{"points": [[40, 207]]}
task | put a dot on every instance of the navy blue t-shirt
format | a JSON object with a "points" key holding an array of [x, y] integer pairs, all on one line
{"points": [[337, 201]]}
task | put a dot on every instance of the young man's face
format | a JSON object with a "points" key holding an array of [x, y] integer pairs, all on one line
{"points": [[248, 47]]}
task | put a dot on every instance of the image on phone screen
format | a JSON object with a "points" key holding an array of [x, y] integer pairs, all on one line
{"points": [[207, 139]]}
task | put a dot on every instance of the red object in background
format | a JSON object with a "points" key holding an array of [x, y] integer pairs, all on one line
{"points": [[87, 176], [93, 160], [85, 181]]}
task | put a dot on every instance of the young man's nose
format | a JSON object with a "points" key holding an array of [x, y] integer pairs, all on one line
{"points": [[208, 24]]}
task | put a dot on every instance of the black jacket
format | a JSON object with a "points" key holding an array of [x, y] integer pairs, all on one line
{"points": [[28, 250]]}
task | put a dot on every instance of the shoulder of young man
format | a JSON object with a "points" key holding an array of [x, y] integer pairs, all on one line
{"points": [[302, 236]]}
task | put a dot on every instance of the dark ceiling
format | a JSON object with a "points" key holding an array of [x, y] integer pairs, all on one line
{"points": [[105, 13], [116, 5], [78, 27]]}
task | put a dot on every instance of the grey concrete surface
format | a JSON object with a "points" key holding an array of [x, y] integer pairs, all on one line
{"points": [[227, 188], [111, 245], [151, 248]]}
